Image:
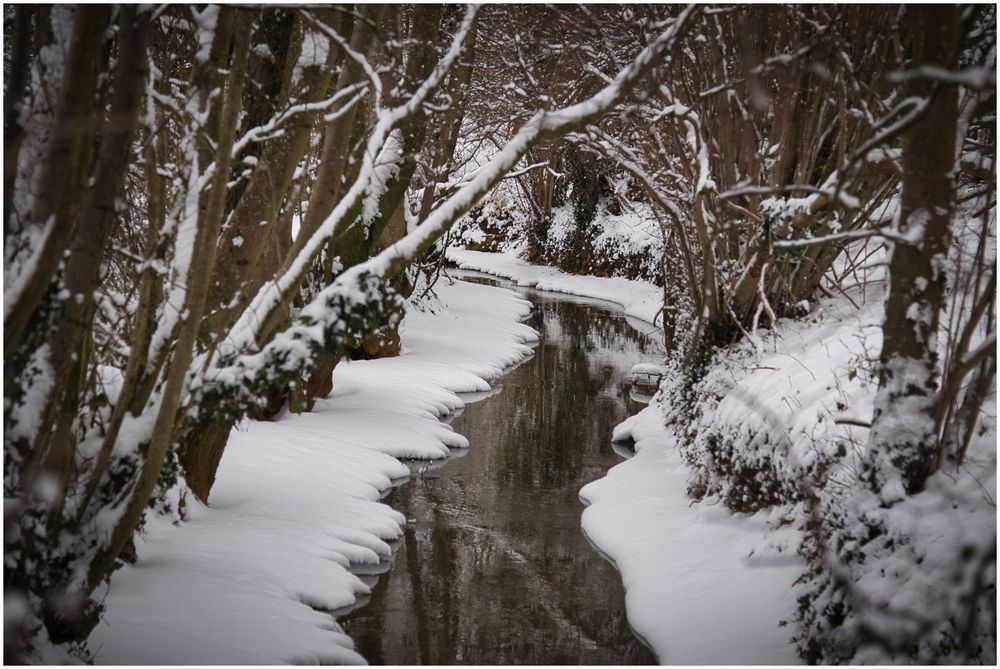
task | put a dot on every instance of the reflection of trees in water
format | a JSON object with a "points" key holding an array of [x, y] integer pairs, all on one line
{"points": [[568, 410], [496, 569]]}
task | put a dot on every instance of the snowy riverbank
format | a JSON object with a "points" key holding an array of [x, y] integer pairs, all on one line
{"points": [[693, 592], [638, 299], [297, 502]]}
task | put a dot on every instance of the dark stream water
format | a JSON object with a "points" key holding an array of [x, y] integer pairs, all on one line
{"points": [[493, 567]]}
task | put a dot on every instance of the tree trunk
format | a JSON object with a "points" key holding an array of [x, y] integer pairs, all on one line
{"points": [[903, 442], [64, 175], [201, 455], [14, 84], [69, 348]]}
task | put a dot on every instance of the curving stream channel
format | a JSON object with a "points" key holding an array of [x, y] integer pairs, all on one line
{"points": [[493, 567]]}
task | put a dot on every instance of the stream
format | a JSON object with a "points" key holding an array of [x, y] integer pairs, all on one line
{"points": [[493, 567]]}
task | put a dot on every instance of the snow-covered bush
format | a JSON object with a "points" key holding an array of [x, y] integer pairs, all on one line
{"points": [[915, 581], [492, 227], [613, 244], [616, 241], [762, 419]]}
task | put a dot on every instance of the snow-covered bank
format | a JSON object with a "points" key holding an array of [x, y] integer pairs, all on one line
{"points": [[694, 592], [710, 585], [296, 502], [639, 299]]}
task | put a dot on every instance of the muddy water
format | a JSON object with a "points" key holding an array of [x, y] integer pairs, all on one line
{"points": [[493, 567]]}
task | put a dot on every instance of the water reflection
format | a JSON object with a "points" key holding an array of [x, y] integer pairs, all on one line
{"points": [[493, 568]]}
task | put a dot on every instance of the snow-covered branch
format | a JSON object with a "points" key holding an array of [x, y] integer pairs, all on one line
{"points": [[974, 78], [541, 125]]}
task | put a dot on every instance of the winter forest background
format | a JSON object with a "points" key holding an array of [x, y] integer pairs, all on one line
{"points": [[207, 209]]}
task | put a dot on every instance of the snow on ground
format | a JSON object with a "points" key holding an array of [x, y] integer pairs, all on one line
{"points": [[693, 591], [639, 299], [296, 502], [722, 586]]}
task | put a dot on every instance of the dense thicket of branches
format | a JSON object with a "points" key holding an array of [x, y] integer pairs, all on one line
{"points": [[207, 208]]}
